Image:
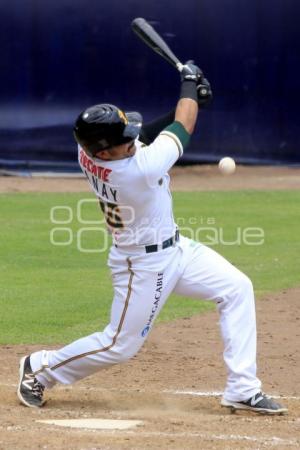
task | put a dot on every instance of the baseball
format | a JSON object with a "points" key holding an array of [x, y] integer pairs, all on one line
{"points": [[227, 165]]}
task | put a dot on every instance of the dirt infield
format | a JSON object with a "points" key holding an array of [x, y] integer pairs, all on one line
{"points": [[186, 356], [189, 178]]}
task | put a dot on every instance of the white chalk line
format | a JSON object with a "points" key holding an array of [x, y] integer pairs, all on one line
{"points": [[219, 394], [165, 391]]}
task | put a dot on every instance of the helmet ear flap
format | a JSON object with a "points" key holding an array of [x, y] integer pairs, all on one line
{"points": [[102, 126]]}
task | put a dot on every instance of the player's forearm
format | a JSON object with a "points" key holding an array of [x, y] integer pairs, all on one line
{"points": [[186, 113]]}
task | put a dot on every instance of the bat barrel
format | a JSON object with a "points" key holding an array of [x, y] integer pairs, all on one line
{"points": [[150, 36]]}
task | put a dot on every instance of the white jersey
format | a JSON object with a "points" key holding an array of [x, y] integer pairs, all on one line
{"points": [[134, 192]]}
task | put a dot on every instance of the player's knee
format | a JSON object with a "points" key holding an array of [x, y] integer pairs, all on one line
{"points": [[246, 283], [240, 284], [239, 287], [126, 352], [243, 285], [126, 356]]}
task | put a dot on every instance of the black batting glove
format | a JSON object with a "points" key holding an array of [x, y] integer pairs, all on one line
{"points": [[190, 74], [204, 92]]}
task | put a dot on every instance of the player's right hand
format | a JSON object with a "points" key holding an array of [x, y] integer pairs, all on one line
{"points": [[204, 92], [191, 72]]}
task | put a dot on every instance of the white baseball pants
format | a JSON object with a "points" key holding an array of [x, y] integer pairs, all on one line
{"points": [[142, 283]]}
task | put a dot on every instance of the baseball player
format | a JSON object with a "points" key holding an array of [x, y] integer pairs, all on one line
{"points": [[126, 165]]}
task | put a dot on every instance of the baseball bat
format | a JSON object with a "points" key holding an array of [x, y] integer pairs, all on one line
{"points": [[147, 33]]}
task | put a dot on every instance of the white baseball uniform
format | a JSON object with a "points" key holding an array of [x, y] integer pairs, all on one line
{"points": [[148, 262]]}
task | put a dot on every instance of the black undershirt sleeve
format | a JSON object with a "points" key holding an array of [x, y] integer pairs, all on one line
{"points": [[152, 129]]}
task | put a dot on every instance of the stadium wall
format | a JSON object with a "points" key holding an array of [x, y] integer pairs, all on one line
{"points": [[59, 57]]}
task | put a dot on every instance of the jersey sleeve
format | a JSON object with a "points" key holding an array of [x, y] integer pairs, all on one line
{"points": [[156, 159], [151, 130]]}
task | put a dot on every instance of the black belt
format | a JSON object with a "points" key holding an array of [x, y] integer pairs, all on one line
{"points": [[166, 244]]}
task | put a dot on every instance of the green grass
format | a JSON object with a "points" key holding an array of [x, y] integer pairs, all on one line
{"points": [[52, 294]]}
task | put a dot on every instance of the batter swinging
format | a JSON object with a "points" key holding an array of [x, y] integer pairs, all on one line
{"points": [[127, 167]]}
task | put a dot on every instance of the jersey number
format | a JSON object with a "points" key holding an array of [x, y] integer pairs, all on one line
{"points": [[112, 214]]}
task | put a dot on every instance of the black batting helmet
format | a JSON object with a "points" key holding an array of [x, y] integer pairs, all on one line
{"points": [[103, 126]]}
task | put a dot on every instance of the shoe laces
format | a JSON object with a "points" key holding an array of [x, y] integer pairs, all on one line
{"points": [[37, 388], [268, 397]]}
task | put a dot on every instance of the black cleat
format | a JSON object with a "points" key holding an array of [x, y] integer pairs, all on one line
{"points": [[259, 403], [30, 390]]}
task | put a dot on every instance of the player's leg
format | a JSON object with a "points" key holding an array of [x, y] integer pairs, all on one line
{"points": [[207, 275], [139, 295]]}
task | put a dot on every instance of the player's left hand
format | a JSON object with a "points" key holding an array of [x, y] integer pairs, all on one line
{"points": [[191, 72], [204, 92]]}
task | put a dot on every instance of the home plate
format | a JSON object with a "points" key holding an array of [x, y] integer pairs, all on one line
{"points": [[95, 424]]}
